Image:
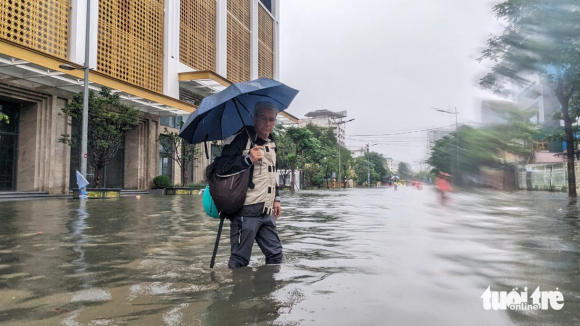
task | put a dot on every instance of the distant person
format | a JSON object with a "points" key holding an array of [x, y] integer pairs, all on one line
{"points": [[442, 183]]}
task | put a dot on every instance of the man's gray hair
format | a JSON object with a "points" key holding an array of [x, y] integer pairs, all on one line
{"points": [[265, 105]]}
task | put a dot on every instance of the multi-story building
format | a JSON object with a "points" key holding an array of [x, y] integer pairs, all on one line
{"points": [[490, 116], [390, 164], [357, 151], [161, 56], [329, 119], [536, 96], [434, 135]]}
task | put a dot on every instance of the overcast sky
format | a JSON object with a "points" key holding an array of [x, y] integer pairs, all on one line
{"points": [[387, 63]]}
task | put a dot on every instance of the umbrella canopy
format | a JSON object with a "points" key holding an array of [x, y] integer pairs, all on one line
{"points": [[223, 114]]}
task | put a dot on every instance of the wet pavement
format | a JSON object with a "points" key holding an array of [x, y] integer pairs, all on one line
{"points": [[353, 257]]}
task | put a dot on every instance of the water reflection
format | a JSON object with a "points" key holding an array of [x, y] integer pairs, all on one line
{"points": [[249, 300], [352, 257], [77, 232]]}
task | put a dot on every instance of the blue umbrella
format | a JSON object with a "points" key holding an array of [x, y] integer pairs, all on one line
{"points": [[223, 114]]}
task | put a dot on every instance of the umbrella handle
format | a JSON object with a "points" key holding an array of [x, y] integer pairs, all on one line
{"points": [[205, 144]]}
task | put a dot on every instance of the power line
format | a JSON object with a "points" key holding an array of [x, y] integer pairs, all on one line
{"points": [[414, 131], [405, 132]]}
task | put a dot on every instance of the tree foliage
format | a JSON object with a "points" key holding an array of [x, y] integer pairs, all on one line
{"points": [[177, 149], [404, 171], [541, 38], [294, 144], [362, 168], [466, 150], [3, 117], [108, 122]]}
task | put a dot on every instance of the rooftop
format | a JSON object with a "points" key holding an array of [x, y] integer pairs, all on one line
{"points": [[325, 113]]}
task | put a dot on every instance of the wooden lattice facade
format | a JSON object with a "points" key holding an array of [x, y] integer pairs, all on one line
{"points": [[42, 25], [197, 46], [130, 41], [265, 44], [238, 41]]}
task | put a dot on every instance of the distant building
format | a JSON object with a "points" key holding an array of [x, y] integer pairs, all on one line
{"points": [[434, 135], [390, 164], [537, 96], [357, 151], [489, 116], [329, 119]]}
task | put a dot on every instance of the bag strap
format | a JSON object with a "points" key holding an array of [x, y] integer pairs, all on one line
{"points": [[251, 184], [217, 241]]}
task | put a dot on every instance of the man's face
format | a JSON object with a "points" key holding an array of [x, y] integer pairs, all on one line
{"points": [[264, 122]]}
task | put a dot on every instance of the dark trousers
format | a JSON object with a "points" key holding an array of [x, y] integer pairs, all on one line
{"points": [[243, 231]]}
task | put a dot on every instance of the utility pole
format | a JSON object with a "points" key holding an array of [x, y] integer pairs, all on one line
{"points": [[339, 150], [85, 116], [456, 139], [368, 167], [369, 163]]}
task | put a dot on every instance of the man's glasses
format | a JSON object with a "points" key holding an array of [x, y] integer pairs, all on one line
{"points": [[266, 120]]}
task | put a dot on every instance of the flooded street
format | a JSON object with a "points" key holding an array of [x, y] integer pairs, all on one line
{"points": [[354, 257]]}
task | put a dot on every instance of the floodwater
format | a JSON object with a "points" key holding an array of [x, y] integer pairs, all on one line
{"points": [[353, 257]]}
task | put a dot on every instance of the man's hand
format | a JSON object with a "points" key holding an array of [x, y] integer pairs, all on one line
{"points": [[256, 154], [277, 209]]}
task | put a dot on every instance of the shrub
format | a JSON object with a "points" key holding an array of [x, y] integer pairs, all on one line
{"points": [[161, 182], [564, 189], [197, 185]]}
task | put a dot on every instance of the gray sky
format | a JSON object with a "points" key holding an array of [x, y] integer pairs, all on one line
{"points": [[387, 63]]}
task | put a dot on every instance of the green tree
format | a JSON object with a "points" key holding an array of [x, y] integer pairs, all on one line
{"points": [[518, 135], [541, 37], [483, 147], [177, 149], [404, 171], [109, 121], [380, 163], [346, 161], [326, 156], [362, 167], [293, 143], [477, 147], [3, 117]]}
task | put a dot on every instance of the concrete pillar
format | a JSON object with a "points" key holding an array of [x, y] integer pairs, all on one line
{"points": [[43, 162], [141, 155]]}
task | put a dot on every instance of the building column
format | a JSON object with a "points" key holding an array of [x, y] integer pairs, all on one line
{"points": [[141, 155], [222, 37], [171, 31], [78, 25], [276, 15], [254, 39], [43, 162]]}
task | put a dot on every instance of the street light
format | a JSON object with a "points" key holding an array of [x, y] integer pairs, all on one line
{"points": [[85, 117], [456, 138], [337, 141], [369, 164]]}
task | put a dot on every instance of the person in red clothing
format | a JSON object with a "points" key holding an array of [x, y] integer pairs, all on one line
{"points": [[442, 183]]}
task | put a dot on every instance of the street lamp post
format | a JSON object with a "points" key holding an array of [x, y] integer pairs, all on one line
{"points": [[456, 139], [338, 142], [369, 164], [85, 117]]}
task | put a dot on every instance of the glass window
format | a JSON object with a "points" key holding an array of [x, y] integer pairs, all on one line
{"points": [[267, 4], [171, 122], [164, 162]]}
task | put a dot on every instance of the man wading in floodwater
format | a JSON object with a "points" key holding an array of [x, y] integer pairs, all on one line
{"points": [[257, 218]]}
